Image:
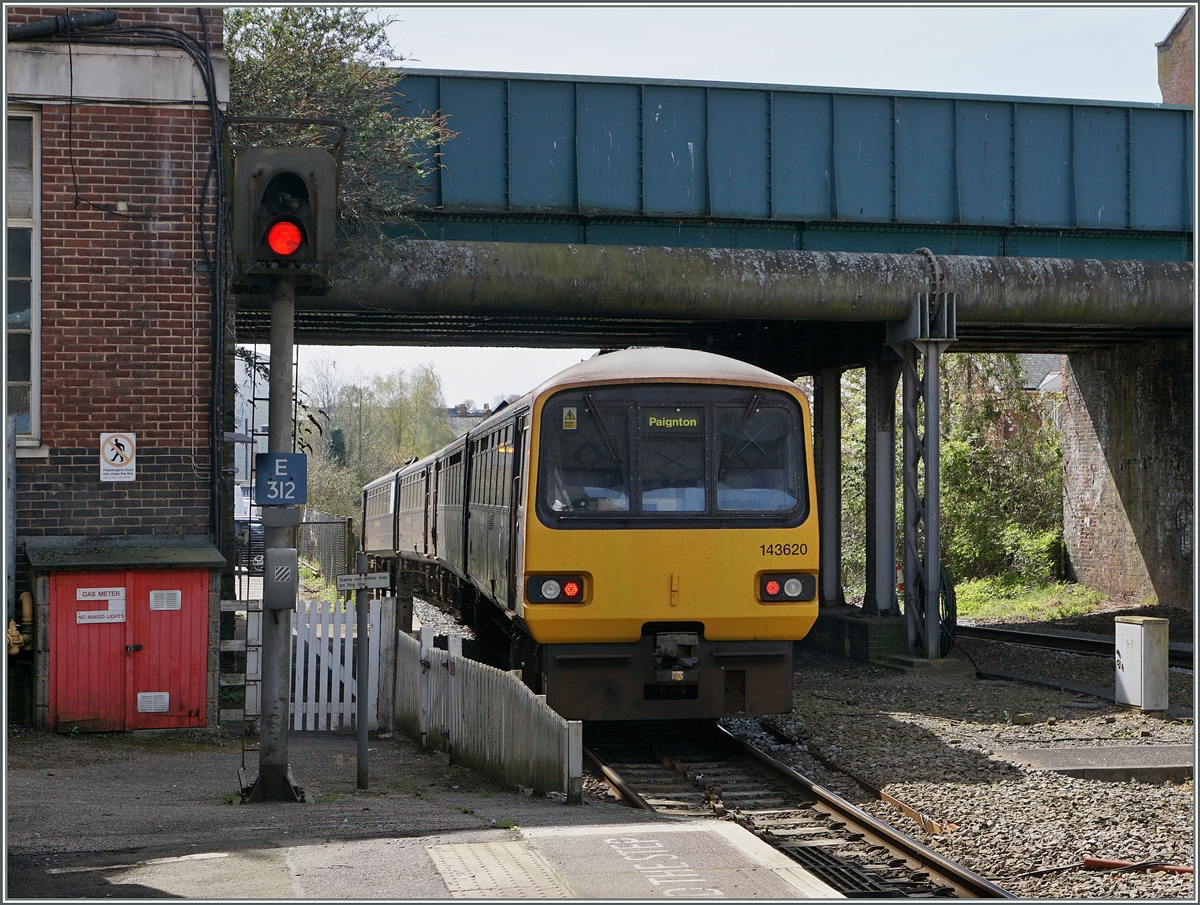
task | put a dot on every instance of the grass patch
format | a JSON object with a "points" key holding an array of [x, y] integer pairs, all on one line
{"points": [[504, 823], [995, 598]]}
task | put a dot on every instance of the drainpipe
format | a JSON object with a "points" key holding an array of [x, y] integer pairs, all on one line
{"points": [[10, 514]]}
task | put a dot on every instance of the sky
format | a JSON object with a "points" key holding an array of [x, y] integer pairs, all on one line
{"points": [[1080, 51]]}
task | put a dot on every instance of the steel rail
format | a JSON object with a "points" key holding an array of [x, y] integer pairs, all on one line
{"points": [[953, 874], [1178, 654], [623, 788]]}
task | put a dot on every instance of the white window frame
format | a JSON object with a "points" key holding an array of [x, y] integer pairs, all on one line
{"points": [[29, 444]]}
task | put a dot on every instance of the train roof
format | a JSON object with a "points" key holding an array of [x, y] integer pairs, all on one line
{"points": [[663, 364]]}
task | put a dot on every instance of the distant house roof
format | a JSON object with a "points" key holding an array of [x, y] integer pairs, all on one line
{"points": [[1038, 368]]}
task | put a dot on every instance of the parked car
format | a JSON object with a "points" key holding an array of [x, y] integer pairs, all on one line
{"points": [[250, 546]]}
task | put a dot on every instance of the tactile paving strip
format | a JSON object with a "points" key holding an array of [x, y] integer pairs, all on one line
{"points": [[497, 870]]}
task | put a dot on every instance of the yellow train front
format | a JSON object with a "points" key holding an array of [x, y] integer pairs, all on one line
{"points": [[672, 492], [643, 526]]}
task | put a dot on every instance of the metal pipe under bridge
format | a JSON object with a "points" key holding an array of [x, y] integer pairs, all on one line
{"points": [[489, 292]]}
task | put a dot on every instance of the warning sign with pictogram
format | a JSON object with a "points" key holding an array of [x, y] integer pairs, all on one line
{"points": [[118, 460]]}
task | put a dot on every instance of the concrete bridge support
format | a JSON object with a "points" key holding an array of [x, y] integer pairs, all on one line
{"points": [[882, 378], [827, 451], [1128, 460]]}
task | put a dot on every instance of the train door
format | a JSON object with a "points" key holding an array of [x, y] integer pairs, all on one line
{"points": [[435, 482], [516, 512], [425, 511]]}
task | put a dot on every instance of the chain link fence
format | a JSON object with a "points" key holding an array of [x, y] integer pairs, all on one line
{"points": [[328, 544]]}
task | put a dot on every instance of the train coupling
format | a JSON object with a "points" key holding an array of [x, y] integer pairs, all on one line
{"points": [[677, 658]]}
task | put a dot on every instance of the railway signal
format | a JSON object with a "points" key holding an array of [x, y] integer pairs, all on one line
{"points": [[284, 211]]}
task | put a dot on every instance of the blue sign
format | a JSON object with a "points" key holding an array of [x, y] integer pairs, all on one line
{"points": [[280, 479]]}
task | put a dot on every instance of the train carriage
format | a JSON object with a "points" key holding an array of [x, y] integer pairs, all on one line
{"points": [[640, 532]]}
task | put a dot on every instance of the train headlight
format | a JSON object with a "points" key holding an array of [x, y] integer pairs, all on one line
{"points": [[554, 588], [786, 588]]}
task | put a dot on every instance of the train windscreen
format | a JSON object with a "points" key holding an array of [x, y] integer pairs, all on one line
{"points": [[663, 453]]}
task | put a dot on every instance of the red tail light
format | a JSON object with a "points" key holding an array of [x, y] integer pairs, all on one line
{"points": [[554, 588]]}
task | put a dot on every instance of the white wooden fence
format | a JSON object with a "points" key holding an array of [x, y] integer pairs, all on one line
{"points": [[484, 718], [324, 682]]}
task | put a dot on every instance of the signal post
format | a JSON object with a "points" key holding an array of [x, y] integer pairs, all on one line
{"points": [[284, 211]]}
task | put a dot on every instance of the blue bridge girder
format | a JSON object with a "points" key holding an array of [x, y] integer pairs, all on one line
{"points": [[607, 161]]}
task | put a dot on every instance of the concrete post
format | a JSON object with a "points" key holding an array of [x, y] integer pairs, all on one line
{"points": [[881, 487], [827, 428], [274, 781]]}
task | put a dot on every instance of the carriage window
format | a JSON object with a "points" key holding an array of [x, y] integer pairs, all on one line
{"points": [[672, 459], [588, 457], [756, 470]]}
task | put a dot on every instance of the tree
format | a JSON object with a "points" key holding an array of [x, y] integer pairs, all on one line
{"points": [[374, 426], [1001, 468], [332, 63], [1001, 474]]}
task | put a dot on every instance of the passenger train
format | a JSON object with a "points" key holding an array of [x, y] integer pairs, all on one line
{"points": [[639, 535]]}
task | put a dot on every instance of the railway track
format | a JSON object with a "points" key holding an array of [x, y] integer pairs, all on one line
{"points": [[705, 772], [1179, 654]]}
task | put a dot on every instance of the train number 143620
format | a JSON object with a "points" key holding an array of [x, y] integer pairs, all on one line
{"points": [[784, 549]]}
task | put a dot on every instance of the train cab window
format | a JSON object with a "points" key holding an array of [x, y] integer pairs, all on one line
{"points": [[666, 455], [587, 461], [756, 468]]}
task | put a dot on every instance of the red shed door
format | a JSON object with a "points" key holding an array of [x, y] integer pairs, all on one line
{"points": [[129, 649], [87, 650], [166, 637]]}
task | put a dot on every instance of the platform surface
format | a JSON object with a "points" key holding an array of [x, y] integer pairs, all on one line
{"points": [[692, 859]]}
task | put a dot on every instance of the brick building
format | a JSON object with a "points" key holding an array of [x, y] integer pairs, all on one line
{"points": [[113, 377], [1177, 62]]}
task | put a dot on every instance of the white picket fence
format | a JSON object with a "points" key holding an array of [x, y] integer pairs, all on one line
{"points": [[324, 680], [484, 718]]}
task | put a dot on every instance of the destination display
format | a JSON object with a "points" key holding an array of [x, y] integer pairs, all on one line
{"points": [[673, 420]]}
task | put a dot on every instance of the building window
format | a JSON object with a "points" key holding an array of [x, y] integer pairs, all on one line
{"points": [[21, 274]]}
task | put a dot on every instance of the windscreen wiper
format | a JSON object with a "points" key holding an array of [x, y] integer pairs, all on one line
{"points": [[608, 440], [725, 453]]}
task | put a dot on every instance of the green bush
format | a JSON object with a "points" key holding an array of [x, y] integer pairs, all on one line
{"points": [[1006, 598]]}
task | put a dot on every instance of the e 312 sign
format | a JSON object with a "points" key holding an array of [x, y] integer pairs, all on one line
{"points": [[280, 479]]}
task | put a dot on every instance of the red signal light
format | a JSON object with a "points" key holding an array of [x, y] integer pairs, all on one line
{"points": [[772, 588], [284, 237], [570, 589]]}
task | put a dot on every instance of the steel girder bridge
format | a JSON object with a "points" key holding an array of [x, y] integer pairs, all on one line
{"points": [[807, 230]]}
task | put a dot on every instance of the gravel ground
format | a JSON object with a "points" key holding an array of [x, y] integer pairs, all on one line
{"points": [[441, 623], [945, 745], [948, 747]]}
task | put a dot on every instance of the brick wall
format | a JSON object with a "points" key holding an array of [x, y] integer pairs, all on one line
{"points": [[126, 311], [1176, 63], [1127, 463]]}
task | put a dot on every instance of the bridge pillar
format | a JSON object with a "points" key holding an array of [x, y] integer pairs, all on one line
{"points": [[882, 378], [827, 449]]}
